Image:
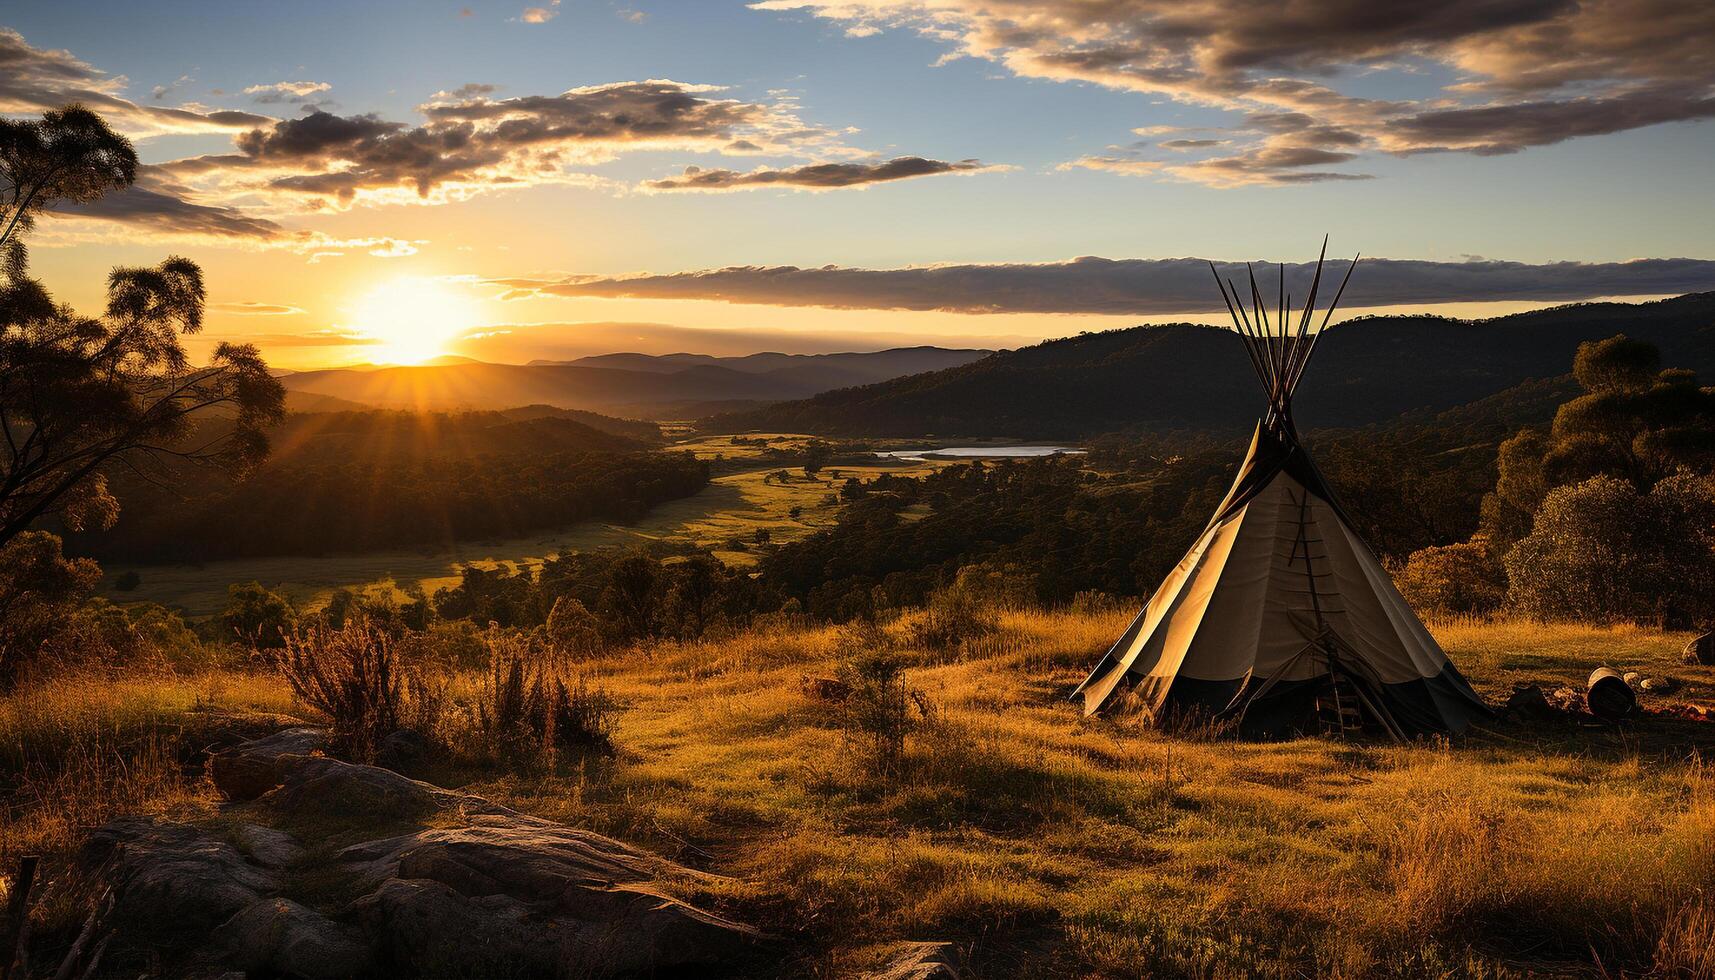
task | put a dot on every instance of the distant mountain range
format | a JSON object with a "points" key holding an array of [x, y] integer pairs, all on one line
{"points": [[1184, 376], [633, 385]]}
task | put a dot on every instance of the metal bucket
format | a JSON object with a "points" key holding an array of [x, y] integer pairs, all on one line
{"points": [[1608, 696]]}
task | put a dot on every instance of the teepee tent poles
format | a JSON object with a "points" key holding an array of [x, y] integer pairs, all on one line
{"points": [[1278, 348]]}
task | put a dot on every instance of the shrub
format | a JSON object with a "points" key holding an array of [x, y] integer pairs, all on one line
{"points": [[39, 589], [573, 629], [445, 647], [1455, 578], [881, 710], [258, 616], [1602, 551], [954, 616], [355, 676], [1002, 586], [528, 709]]}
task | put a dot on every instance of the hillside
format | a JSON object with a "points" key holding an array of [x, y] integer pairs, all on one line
{"points": [[356, 481], [372, 435], [633, 385], [1186, 376]]}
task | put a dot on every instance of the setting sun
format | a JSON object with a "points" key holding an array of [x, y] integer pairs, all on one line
{"points": [[412, 319]]}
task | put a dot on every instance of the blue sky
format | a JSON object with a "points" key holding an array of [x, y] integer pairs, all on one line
{"points": [[1061, 173]]}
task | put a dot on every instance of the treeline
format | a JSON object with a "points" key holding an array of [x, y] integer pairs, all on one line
{"points": [[314, 508]]}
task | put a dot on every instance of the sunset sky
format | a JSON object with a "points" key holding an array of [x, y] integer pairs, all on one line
{"points": [[383, 182]]}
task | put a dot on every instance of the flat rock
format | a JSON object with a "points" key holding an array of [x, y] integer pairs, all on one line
{"points": [[449, 884], [315, 786], [252, 768], [536, 894], [268, 847], [279, 937], [172, 880]]}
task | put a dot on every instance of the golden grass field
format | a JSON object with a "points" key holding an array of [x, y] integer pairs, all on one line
{"points": [[1050, 845], [734, 505]]}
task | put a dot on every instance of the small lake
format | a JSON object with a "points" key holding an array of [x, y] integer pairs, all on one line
{"points": [[979, 452]]}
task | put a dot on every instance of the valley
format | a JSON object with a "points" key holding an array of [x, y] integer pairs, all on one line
{"points": [[733, 507]]}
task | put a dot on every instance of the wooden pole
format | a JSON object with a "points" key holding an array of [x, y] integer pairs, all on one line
{"points": [[17, 914]]}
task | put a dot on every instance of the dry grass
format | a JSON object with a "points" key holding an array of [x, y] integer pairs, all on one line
{"points": [[1051, 845], [78, 751]]}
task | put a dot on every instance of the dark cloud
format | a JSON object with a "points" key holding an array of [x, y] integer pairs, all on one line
{"points": [[1512, 127], [37, 79], [816, 176], [469, 90], [1525, 72], [1135, 287], [471, 142], [157, 205], [623, 112]]}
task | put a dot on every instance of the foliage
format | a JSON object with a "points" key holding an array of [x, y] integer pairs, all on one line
{"points": [[1618, 363], [880, 710], [631, 594], [1633, 421], [1454, 578], [80, 396], [1507, 511], [378, 605], [528, 709], [961, 612], [1602, 550], [258, 616], [70, 155], [1114, 534], [356, 676], [571, 627], [39, 589]]}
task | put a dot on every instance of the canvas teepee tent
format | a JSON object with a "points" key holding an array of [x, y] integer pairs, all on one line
{"points": [[1279, 619]]}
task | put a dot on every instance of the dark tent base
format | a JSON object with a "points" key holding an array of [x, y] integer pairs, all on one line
{"points": [[1439, 705]]}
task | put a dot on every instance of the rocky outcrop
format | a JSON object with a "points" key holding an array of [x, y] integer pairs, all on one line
{"points": [[279, 937], [288, 882], [255, 767], [172, 880]]}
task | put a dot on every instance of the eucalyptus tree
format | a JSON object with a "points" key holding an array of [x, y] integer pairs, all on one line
{"points": [[82, 396]]}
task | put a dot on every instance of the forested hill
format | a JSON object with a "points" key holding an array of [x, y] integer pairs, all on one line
{"points": [[364, 481], [419, 435], [1185, 376]]}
